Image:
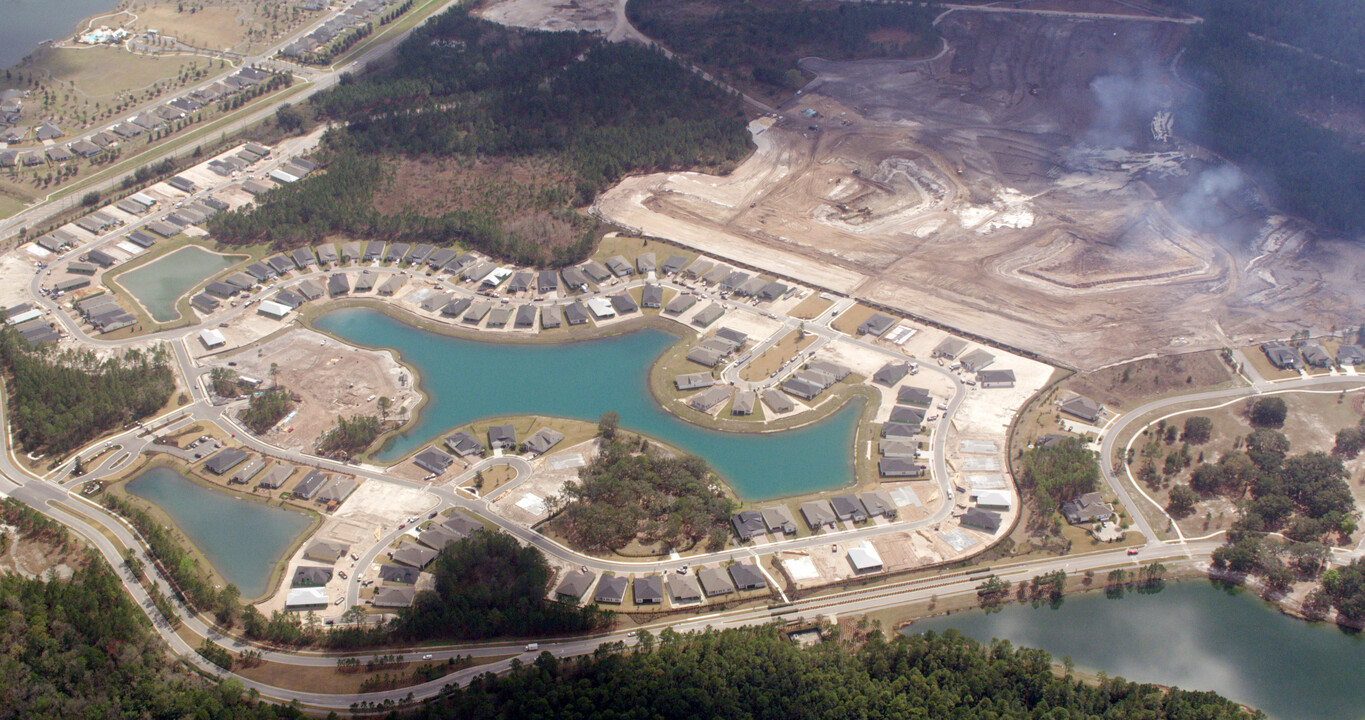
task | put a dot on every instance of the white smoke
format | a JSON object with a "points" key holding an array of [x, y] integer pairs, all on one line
{"points": [[1125, 104]]}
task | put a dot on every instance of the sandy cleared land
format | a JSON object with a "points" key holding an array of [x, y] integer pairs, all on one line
{"points": [[333, 380], [1012, 188], [587, 15]]}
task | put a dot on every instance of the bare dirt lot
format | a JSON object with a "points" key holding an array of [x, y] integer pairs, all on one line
{"points": [[331, 378], [1012, 186], [586, 15]]}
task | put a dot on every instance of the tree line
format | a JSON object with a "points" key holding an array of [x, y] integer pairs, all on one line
{"points": [[1057, 473], [61, 400]]}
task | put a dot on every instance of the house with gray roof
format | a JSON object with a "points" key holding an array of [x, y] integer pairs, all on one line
{"points": [[260, 271], [1086, 509], [336, 491], [744, 403], [619, 266], [433, 460], [364, 282], [748, 524], [779, 519], [611, 590], [303, 258], [996, 378], [309, 486], [574, 585], [699, 268], [833, 369], [1315, 355], [976, 360], [950, 348], [801, 388], [1350, 355], [899, 431], [715, 582], [907, 414], [648, 590], [708, 399], [651, 296], [464, 444], [877, 325], [748, 576], [519, 282], [624, 304], [818, 514], [310, 576], [1281, 356], [575, 278], [848, 507], [645, 263], [981, 520], [693, 381], [276, 477], [414, 555], [684, 588], [392, 284], [327, 254], [502, 436], [910, 395], [525, 317], [890, 373], [1082, 407], [596, 271], [289, 299], [280, 264], [751, 287], [776, 401], [398, 574], [708, 315], [551, 317], [225, 460], [498, 317], [576, 313], [896, 448], [394, 597], [878, 503], [673, 264], [326, 551], [704, 356], [373, 249], [680, 304], [462, 524], [246, 472], [542, 440], [437, 537], [338, 285], [396, 252], [458, 306]]}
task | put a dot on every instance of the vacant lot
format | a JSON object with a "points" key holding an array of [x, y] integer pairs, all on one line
{"points": [[1130, 384], [101, 73], [774, 357]]}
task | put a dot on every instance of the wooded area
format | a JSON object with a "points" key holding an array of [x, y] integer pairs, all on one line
{"points": [[1058, 473], [626, 494], [266, 408], [760, 41], [488, 585], [59, 401], [467, 89]]}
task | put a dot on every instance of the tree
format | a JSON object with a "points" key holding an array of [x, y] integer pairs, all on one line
{"points": [[1198, 430], [1206, 480], [1268, 412], [1346, 588], [384, 404], [608, 424], [1349, 442], [1182, 501], [288, 119]]}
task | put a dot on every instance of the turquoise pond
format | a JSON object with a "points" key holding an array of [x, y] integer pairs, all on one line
{"points": [[241, 539], [466, 381], [1195, 636], [163, 281]]}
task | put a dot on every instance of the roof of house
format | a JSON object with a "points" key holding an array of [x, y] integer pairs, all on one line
{"points": [[433, 460], [310, 576], [1082, 407], [502, 434], [414, 556], [1350, 355], [864, 557], [715, 581], [817, 513], [398, 574], [543, 439], [748, 524], [224, 460], [911, 395], [890, 373], [305, 597], [908, 414], [309, 486], [611, 589], [464, 443], [777, 402], [981, 519], [847, 506], [327, 550], [1086, 508], [877, 325], [744, 402], [684, 588], [950, 348], [779, 519], [438, 536], [462, 524], [575, 583], [747, 576], [877, 502], [693, 381], [649, 589], [394, 596], [995, 376], [710, 397]]}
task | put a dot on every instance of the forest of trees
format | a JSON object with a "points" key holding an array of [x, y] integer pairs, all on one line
{"points": [[1265, 106], [266, 408], [488, 585], [625, 495], [61, 400], [761, 40], [463, 88], [80, 648], [1058, 473], [757, 673]]}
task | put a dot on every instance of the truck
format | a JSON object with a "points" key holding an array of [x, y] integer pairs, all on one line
{"points": [[532, 647]]}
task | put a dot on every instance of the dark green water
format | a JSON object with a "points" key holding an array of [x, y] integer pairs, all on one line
{"points": [[1195, 636], [465, 381], [241, 539], [163, 281]]}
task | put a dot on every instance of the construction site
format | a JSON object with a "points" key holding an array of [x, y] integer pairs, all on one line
{"points": [[1028, 184]]}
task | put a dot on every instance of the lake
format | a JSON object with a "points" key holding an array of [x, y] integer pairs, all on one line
{"points": [[29, 22], [241, 539], [163, 281], [1195, 636], [466, 380]]}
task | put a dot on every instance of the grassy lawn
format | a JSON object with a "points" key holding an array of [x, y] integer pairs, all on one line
{"points": [[810, 308], [773, 358], [849, 320], [101, 73], [1258, 360], [216, 28]]}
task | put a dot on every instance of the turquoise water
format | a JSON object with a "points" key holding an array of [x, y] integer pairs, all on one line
{"points": [[242, 539], [466, 381], [163, 281], [29, 22], [1195, 636]]}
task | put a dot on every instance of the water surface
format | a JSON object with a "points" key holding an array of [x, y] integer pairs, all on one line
{"points": [[29, 22], [159, 284], [1195, 636], [466, 380], [241, 539]]}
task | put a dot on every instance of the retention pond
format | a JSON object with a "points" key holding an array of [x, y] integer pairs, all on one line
{"points": [[243, 540], [465, 381], [163, 281], [1195, 636]]}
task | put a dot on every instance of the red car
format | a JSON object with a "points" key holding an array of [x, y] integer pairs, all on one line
{"points": [[1132, 551]]}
